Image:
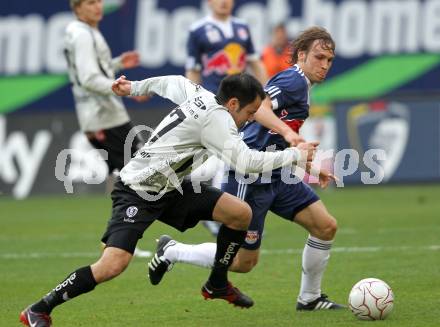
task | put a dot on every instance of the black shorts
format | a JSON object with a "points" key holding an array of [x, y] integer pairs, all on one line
{"points": [[132, 215], [113, 143]]}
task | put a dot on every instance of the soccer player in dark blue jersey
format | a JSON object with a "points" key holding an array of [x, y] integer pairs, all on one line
{"points": [[276, 126], [219, 45]]}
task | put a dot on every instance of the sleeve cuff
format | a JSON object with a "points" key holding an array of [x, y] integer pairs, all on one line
{"points": [[135, 88]]}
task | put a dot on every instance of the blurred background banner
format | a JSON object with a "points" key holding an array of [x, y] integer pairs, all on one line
{"points": [[408, 132], [385, 50]]}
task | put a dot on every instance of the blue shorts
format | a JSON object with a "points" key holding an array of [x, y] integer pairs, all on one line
{"points": [[285, 200]]}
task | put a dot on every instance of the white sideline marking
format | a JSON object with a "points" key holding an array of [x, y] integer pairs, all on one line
{"points": [[360, 249], [39, 255]]}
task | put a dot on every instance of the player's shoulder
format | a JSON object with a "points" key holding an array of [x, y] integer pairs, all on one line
{"points": [[239, 22], [291, 79], [199, 24], [78, 29], [213, 108]]}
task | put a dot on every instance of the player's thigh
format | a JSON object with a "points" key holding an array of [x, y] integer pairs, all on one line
{"points": [[232, 211], [317, 220], [187, 209], [291, 199], [131, 216], [259, 198]]}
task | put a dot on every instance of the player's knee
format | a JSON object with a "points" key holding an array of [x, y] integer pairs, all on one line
{"points": [[244, 216], [241, 217], [328, 229]]}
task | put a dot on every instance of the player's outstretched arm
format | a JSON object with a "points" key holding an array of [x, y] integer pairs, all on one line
{"points": [[173, 87], [220, 136], [268, 119], [121, 86]]}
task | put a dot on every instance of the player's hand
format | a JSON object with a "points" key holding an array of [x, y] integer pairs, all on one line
{"points": [[121, 86], [308, 150], [293, 138], [325, 177], [130, 59]]}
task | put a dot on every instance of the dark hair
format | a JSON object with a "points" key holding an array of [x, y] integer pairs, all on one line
{"points": [[305, 40], [242, 86], [75, 3]]}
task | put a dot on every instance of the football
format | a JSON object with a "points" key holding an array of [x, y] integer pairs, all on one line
{"points": [[371, 299]]}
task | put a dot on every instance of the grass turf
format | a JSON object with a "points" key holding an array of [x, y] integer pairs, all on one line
{"points": [[388, 232]]}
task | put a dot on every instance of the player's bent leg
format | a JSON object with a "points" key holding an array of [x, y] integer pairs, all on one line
{"points": [[235, 216], [159, 264], [230, 293], [232, 212], [245, 260], [170, 251], [317, 221], [112, 263], [322, 228]]}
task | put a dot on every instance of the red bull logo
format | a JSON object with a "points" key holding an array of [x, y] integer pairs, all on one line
{"points": [[294, 124], [229, 60]]}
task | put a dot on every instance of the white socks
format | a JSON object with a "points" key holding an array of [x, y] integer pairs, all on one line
{"points": [[202, 255], [314, 261]]}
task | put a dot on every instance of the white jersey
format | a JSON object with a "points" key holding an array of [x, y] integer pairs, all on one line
{"points": [[92, 71], [180, 142]]}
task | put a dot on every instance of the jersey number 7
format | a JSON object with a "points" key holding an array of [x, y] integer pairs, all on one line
{"points": [[180, 118]]}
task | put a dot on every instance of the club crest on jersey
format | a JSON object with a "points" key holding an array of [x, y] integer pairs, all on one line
{"points": [[131, 211], [213, 35], [252, 237], [242, 33]]}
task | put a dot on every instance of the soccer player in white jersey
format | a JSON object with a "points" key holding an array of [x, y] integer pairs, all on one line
{"points": [[152, 185], [101, 114], [276, 126]]}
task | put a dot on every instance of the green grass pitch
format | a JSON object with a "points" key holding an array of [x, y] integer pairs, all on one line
{"points": [[388, 232]]}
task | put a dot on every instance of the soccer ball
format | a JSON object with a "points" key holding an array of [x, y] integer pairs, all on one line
{"points": [[371, 299]]}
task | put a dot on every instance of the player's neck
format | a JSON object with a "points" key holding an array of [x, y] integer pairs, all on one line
{"points": [[92, 24], [221, 18], [309, 82]]}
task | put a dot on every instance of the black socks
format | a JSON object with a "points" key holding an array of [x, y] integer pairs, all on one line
{"points": [[79, 282], [228, 243]]}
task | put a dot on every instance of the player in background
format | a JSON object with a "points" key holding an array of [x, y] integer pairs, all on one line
{"points": [[152, 185], [101, 115], [276, 55], [219, 45], [276, 126]]}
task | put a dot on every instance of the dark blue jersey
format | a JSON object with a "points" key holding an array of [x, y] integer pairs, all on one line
{"points": [[218, 49], [289, 94]]}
